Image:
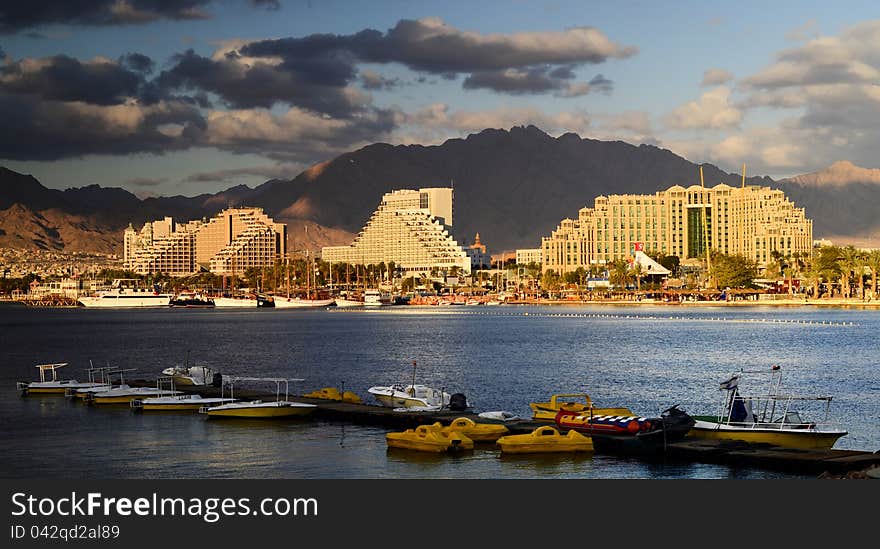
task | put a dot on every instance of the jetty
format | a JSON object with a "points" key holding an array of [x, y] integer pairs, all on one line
{"points": [[689, 450]]}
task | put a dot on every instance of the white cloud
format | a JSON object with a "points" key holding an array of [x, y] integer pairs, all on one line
{"points": [[715, 77], [712, 110]]}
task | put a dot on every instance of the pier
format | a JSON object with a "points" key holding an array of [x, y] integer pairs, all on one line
{"points": [[689, 450]]}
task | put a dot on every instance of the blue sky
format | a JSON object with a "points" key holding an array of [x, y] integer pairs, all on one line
{"points": [[792, 87]]}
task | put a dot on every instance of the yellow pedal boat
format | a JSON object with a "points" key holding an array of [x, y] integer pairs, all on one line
{"points": [[478, 432], [546, 411], [429, 438], [545, 439], [332, 393]]}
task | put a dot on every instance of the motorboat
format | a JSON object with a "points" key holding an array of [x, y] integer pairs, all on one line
{"points": [[478, 432], [332, 393], [546, 411], [767, 417], [192, 300], [429, 438], [628, 433], [173, 403], [280, 407], [416, 396], [375, 298], [49, 382], [282, 302], [127, 293], [348, 302], [192, 375], [106, 383], [238, 302], [545, 439], [124, 395]]}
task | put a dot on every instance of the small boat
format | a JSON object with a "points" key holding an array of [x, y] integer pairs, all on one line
{"points": [[429, 438], [478, 432], [191, 300], [545, 439], [124, 395], [176, 403], [294, 302], [280, 407], [332, 393], [546, 411], [239, 302], [106, 383], [628, 433], [415, 396], [499, 415], [187, 375], [374, 298], [51, 385], [348, 302], [767, 418]]}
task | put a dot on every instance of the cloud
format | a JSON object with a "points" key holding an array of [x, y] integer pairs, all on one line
{"points": [[277, 171], [146, 181], [372, 80], [18, 16], [540, 79], [712, 111], [137, 62], [715, 77], [803, 32]]}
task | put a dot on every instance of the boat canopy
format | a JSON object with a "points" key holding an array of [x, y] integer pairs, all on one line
{"points": [[51, 368]]}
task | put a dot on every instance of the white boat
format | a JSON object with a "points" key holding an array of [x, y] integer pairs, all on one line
{"points": [[241, 302], [280, 407], [282, 302], [191, 375], [51, 384], [372, 298], [178, 403], [348, 300], [103, 376], [410, 396], [499, 415], [767, 417], [122, 395], [127, 293]]}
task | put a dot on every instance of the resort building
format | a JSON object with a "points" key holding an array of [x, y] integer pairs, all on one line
{"points": [[411, 229], [477, 252], [232, 241], [752, 221], [528, 255]]}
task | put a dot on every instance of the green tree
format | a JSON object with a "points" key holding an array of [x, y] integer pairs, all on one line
{"points": [[873, 261], [733, 270], [619, 273]]}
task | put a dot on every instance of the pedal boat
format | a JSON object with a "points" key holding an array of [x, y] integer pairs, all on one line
{"points": [[429, 438], [332, 393], [546, 411], [177, 403], [478, 432], [545, 439], [53, 385]]}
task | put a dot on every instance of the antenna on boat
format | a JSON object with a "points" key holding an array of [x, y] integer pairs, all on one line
{"points": [[413, 386]]}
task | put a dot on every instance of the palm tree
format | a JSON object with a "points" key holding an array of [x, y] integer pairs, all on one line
{"points": [[849, 263], [637, 271], [619, 274], [873, 261]]}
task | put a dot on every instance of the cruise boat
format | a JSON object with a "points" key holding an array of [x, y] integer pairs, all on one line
{"points": [[50, 384], [769, 417], [126, 292], [280, 407]]}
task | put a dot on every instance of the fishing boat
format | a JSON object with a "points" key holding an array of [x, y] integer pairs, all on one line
{"points": [[545, 439], [478, 432], [105, 377], [411, 396], [49, 383], [125, 292], [767, 417], [280, 407], [628, 433], [546, 411], [192, 300], [429, 438]]}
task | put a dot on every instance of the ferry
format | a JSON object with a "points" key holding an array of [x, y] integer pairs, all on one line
{"points": [[126, 292]]}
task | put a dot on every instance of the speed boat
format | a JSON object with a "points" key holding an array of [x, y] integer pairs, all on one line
{"points": [[174, 403], [628, 433], [191, 375], [410, 396]]}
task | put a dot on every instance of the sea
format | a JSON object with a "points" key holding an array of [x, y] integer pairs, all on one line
{"points": [[646, 357]]}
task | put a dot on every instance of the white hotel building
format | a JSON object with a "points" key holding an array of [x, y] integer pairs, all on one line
{"points": [[409, 228]]}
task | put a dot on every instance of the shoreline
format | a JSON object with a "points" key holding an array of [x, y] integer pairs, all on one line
{"points": [[828, 303]]}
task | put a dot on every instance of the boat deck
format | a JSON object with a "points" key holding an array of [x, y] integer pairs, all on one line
{"points": [[689, 450]]}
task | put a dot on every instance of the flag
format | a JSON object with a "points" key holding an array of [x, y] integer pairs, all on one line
{"points": [[731, 383]]}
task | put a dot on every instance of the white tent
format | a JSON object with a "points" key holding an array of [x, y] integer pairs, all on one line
{"points": [[649, 266]]}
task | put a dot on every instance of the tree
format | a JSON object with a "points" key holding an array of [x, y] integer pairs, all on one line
{"points": [[636, 271], [733, 270], [827, 264], [873, 261], [619, 273]]}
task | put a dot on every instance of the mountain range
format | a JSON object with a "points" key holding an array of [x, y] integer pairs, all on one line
{"points": [[512, 186]]}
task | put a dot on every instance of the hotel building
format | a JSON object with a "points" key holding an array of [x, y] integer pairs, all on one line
{"points": [[232, 241], [752, 221], [409, 228]]}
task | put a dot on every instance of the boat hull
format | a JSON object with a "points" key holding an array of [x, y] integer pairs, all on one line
{"points": [[126, 301], [390, 401], [281, 411], [429, 439], [284, 303], [545, 440], [806, 439]]}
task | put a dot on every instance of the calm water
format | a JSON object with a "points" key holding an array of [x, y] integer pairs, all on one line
{"points": [[646, 358]]}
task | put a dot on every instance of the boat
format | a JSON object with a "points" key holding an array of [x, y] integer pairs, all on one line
{"points": [[282, 302], [175, 402], [265, 301], [546, 411], [429, 438], [348, 300], [478, 432], [106, 383], [187, 375], [499, 415], [628, 433], [49, 383], [373, 298], [192, 300], [280, 407], [332, 393], [768, 418], [126, 292], [124, 395], [240, 302], [416, 396], [545, 439]]}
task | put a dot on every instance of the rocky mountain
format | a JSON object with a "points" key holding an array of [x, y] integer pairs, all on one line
{"points": [[512, 186]]}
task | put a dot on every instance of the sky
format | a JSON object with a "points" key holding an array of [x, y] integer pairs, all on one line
{"points": [[168, 97]]}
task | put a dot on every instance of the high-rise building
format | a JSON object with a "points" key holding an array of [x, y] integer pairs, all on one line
{"points": [[232, 241], [409, 228], [752, 221]]}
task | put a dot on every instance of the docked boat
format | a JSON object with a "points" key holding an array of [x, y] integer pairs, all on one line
{"points": [[124, 395], [429, 438], [127, 293], [192, 300], [282, 302], [348, 300], [238, 301], [175, 403], [106, 382], [375, 298], [545, 439], [199, 376], [332, 393], [628, 433], [280, 407], [478, 432], [546, 411], [769, 417], [416, 396], [49, 384]]}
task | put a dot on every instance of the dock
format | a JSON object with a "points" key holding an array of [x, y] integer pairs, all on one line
{"points": [[689, 450]]}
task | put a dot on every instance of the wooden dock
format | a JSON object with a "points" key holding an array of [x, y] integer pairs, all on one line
{"points": [[689, 450]]}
